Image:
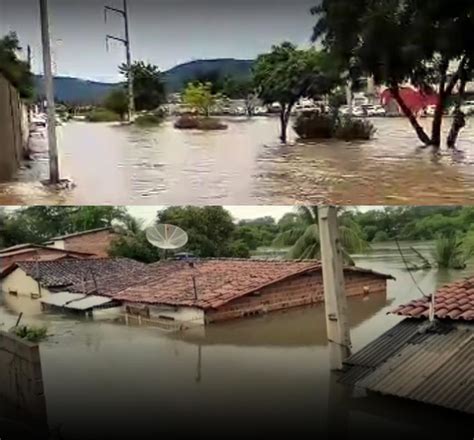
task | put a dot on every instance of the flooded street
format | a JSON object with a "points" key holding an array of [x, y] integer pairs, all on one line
{"points": [[245, 164], [273, 371]]}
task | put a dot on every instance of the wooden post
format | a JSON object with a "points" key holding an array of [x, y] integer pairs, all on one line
{"points": [[49, 88], [335, 302]]}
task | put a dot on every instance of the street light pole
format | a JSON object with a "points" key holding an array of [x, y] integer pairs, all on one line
{"points": [[49, 88], [126, 42]]}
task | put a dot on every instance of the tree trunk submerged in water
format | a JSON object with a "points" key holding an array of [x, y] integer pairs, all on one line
{"points": [[285, 113], [409, 114], [459, 120]]}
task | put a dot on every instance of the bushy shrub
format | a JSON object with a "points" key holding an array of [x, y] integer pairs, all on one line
{"points": [[350, 129], [187, 122], [450, 253], [30, 333], [314, 125], [150, 119], [102, 115]]}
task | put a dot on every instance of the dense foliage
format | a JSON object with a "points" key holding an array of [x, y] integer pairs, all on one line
{"points": [[16, 71], [148, 85], [424, 42], [287, 74], [117, 102]]}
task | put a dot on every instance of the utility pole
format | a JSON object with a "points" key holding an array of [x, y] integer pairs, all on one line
{"points": [[126, 42], [335, 301], [49, 88]]}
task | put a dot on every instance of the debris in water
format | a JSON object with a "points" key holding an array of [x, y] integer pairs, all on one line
{"points": [[63, 184]]}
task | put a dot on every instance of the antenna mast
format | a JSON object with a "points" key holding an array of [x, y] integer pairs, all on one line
{"points": [[126, 42]]}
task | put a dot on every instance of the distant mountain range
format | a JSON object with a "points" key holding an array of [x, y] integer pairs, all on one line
{"points": [[79, 91]]}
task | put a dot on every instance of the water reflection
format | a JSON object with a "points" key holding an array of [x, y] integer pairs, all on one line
{"points": [[251, 375], [246, 165]]}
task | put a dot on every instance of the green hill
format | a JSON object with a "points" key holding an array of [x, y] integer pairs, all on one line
{"points": [[79, 91]]}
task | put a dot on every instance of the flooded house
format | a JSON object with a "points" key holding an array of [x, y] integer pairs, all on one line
{"points": [[424, 360], [25, 252], [72, 284], [211, 290]]}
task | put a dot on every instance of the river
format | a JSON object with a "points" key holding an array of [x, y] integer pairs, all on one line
{"points": [[243, 376], [112, 164]]}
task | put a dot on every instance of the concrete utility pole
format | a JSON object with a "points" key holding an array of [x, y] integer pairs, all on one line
{"points": [[335, 301], [49, 88], [126, 42]]}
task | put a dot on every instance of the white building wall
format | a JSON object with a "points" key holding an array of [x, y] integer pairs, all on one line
{"points": [[189, 315], [58, 244], [21, 292]]}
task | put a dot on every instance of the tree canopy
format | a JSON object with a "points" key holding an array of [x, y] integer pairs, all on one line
{"points": [[287, 74], [427, 43], [148, 85], [117, 101], [199, 96], [16, 71]]}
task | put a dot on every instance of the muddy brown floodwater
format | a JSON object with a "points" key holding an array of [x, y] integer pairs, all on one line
{"points": [[243, 376], [246, 165]]}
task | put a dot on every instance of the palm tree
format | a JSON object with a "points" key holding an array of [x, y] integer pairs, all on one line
{"points": [[301, 232]]}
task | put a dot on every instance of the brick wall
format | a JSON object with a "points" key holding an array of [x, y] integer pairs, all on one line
{"points": [[96, 243], [297, 291], [13, 130], [21, 381]]}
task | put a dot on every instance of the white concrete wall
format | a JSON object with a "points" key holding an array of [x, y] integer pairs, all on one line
{"points": [[18, 281], [190, 315], [58, 244]]}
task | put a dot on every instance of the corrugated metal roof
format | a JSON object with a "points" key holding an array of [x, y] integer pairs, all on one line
{"points": [[60, 299], [430, 365], [88, 302]]}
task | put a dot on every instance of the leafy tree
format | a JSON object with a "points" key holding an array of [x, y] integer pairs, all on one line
{"points": [[117, 102], [304, 236], [210, 228], [13, 69], [148, 85], [212, 77], [287, 74], [132, 242], [397, 41], [199, 96], [241, 88]]}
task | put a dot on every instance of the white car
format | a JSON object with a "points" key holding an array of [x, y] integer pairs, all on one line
{"points": [[356, 111], [374, 110], [468, 108]]}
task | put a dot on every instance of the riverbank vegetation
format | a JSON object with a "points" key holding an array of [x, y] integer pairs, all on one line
{"points": [[214, 233], [30, 333]]}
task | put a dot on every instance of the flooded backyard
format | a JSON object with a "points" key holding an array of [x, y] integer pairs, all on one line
{"points": [[273, 371], [245, 164]]}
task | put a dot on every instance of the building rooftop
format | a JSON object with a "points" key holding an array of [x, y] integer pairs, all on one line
{"points": [[452, 301], [28, 247], [210, 283], [98, 275], [428, 364], [77, 234]]}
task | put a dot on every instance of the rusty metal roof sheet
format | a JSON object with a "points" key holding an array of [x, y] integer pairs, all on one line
{"points": [[426, 364]]}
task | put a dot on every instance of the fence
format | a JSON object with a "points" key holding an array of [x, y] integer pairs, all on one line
{"points": [[13, 130]]}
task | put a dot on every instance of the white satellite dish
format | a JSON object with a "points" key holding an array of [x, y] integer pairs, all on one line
{"points": [[166, 236]]}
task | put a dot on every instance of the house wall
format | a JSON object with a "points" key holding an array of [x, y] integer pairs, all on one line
{"points": [[13, 130], [297, 291], [96, 243], [182, 314], [26, 299]]}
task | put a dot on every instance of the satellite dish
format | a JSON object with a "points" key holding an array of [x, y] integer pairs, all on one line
{"points": [[166, 236]]}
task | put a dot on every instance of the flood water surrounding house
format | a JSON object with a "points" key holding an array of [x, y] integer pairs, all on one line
{"points": [[273, 371], [246, 165]]}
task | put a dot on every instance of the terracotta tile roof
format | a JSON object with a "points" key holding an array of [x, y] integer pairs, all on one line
{"points": [[28, 247], [216, 281], [452, 301], [108, 274]]}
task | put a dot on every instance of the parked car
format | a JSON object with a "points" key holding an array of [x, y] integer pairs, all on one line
{"points": [[357, 111], [374, 110], [468, 108]]}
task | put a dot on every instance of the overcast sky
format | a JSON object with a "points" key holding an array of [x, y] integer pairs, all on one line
{"points": [[163, 32]]}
